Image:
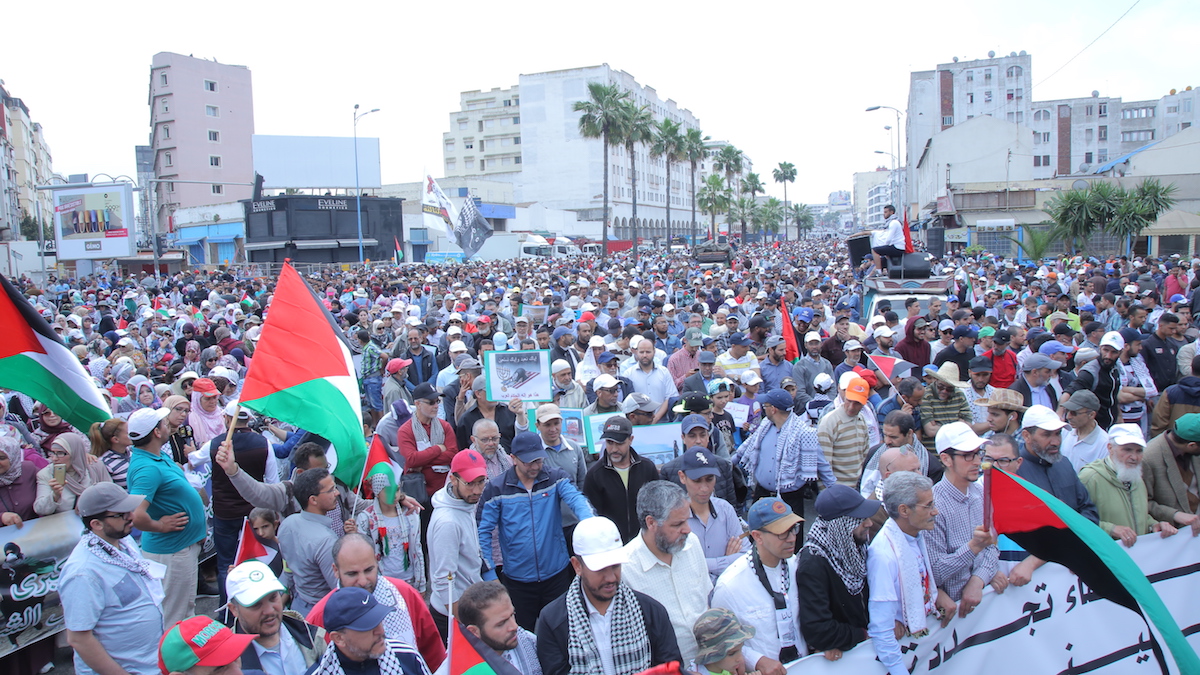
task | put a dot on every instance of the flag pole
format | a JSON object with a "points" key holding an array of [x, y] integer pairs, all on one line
{"points": [[986, 467], [450, 620]]}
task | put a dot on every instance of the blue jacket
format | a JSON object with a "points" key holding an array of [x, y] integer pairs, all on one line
{"points": [[530, 522]]}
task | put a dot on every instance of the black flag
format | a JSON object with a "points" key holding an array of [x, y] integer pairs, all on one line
{"points": [[472, 229]]}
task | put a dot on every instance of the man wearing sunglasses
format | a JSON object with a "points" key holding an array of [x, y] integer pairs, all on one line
{"points": [[962, 550]]}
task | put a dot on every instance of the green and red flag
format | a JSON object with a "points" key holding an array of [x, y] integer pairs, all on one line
{"points": [[1049, 529], [35, 362], [302, 374], [470, 656], [787, 328], [160, 307], [381, 463]]}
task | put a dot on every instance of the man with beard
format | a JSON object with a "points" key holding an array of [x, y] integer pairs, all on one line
{"points": [[831, 349], [831, 572], [1115, 484], [705, 366], [284, 644], [1103, 378], [809, 365], [654, 380], [612, 484], [454, 537], [358, 640], [1042, 465], [666, 561], [407, 620], [601, 625], [486, 611]]}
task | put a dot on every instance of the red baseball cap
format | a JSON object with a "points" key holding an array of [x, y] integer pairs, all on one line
{"points": [[469, 465], [587, 316], [206, 387], [394, 365], [200, 641]]}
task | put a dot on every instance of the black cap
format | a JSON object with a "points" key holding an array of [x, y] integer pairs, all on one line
{"points": [[1064, 329], [757, 322], [699, 462], [426, 392], [842, 500], [693, 402], [617, 428], [980, 364], [1003, 336]]}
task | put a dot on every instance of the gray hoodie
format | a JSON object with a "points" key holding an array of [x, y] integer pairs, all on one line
{"points": [[453, 545]]}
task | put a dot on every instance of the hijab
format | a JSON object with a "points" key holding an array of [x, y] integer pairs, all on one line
{"points": [[83, 473], [11, 448], [50, 432], [205, 425]]}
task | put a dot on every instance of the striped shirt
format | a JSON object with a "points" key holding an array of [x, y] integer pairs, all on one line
{"points": [[117, 465], [953, 409], [846, 441]]}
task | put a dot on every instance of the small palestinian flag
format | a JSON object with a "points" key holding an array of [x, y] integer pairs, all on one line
{"points": [[380, 462], [302, 374], [35, 362], [249, 547], [160, 307], [468, 655], [1049, 529]]}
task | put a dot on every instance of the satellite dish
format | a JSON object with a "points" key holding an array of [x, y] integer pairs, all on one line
{"points": [[1012, 54], [1023, 53], [1083, 168], [991, 55], [1095, 93], [1080, 184], [955, 59]]}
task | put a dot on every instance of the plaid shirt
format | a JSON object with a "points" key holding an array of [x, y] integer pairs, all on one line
{"points": [[953, 561], [372, 360], [954, 409]]}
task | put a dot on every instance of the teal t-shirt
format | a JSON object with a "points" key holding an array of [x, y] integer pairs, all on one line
{"points": [[167, 491]]}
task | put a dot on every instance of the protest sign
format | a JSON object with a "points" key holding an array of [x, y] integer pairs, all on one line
{"points": [[33, 556], [518, 375]]}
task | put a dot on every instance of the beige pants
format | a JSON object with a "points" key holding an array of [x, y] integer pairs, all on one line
{"points": [[179, 584]]}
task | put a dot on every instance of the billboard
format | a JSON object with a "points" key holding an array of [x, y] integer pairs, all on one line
{"points": [[92, 223], [315, 161]]}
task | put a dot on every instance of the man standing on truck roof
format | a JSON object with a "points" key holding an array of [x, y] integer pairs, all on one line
{"points": [[890, 241]]}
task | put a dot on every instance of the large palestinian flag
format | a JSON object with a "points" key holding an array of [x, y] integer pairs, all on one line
{"points": [[470, 656], [302, 374], [35, 362], [1051, 530]]}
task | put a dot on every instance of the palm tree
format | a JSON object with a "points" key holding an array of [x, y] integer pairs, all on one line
{"points": [[634, 127], [1139, 209], [751, 185], [668, 144], [786, 173], [801, 217], [1035, 242], [771, 215], [600, 115], [714, 198], [693, 151], [729, 160], [741, 211]]}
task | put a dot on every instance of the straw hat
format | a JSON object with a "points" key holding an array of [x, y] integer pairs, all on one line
{"points": [[948, 373]]}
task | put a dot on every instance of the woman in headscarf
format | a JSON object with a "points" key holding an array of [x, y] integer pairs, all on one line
{"points": [[208, 360], [183, 385], [191, 357], [18, 483], [181, 441], [15, 423], [206, 419], [111, 443], [141, 395], [69, 450], [121, 372], [49, 427]]}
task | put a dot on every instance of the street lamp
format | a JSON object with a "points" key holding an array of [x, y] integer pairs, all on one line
{"points": [[357, 189]]}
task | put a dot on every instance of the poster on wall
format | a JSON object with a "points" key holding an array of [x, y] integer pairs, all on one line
{"points": [[92, 223]]}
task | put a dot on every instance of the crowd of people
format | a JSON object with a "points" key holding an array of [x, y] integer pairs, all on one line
{"points": [[818, 497]]}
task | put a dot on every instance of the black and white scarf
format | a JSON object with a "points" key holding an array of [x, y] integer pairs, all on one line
{"points": [[630, 643], [833, 540], [397, 625], [115, 555], [330, 665]]}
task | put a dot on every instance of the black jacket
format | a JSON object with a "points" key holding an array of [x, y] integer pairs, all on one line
{"points": [[552, 628], [1159, 355], [830, 617], [1022, 386], [607, 492]]}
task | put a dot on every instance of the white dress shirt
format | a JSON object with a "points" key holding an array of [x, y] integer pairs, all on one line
{"points": [[682, 587], [739, 590]]}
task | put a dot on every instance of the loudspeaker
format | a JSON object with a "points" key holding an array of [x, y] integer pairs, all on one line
{"points": [[935, 240]]}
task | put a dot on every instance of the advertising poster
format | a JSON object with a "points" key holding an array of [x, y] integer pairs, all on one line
{"points": [[33, 555], [92, 223], [518, 375]]}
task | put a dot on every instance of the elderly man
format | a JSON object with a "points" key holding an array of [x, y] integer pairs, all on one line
{"points": [[1172, 461], [613, 482], [284, 644], [393, 385], [486, 611], [356, 623], [684, 363], [705, 373], [844, 435], [410, 622], [606, 388], [947, 404], [525, 504], [600, 624], [1036, 371], [900, 570], [762, 588], [107, 628], [426, 442], [831, 572], [1085, 441], [567, 393], [1116, 486], [962, 550], [666, 561]]}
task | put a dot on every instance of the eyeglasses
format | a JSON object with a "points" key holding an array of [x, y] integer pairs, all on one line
{"points": [[977, 454], [122, 516], [926, 506], [488, 439], [792, 531], [59, 453], [1001, 462]]}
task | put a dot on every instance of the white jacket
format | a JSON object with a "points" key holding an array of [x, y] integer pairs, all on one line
{"points": [[453, 545]]}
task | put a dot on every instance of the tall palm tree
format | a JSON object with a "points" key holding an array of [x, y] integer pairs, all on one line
{"points": [[771, 215], [714, 198], [801, 217], [751, 185], [729, 160], [694, 151], [741, 211], [785, 173], [600, 116], [668, 144], [635, 128]]}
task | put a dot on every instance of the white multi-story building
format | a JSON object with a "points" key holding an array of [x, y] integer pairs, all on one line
{"points": [[528, 135], [26, 162]]}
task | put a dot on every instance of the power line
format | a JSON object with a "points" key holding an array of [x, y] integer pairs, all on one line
{"points": [[1081, 51]]}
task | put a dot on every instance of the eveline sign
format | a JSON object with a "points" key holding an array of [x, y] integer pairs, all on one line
{"points": [[333, 204], [259, 207]]}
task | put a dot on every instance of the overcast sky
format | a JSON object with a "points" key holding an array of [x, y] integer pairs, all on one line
{"points": [[786, 84]]}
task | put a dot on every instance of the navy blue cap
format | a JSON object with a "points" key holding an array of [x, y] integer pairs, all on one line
{"points": [[693, 421], [706, 356], [699, 462], [354, 608], [843, 500], [964, 331], [605, 357], [527, 447], [778, 398], [1131, 334], [739, 339]]}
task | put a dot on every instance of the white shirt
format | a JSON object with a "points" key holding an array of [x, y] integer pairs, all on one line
{"points": [[893, 235], [883, 578], [682, 587], [286, 651], [657, 384], [602, 634], [739, 590], [1084, 451]]}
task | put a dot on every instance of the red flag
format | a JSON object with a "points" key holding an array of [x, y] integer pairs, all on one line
{"points": [[397, 242], [885, 364], [792, 349], [469, 654], [249, 547], [908, 245]]}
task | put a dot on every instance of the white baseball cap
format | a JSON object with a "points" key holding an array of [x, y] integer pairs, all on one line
{"points": [[1123, 434], [604, 381], [957, 436], [812, 335], [751, 378], [884, 331], [458, 346], [1113, 339], [250, 582], [598, 543], [142, 422], [1041, 417]]}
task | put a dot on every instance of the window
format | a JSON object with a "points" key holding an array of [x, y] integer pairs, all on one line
{"points": [[167, 159], [162, 78], [451, 165], [214, 136], [1144, 135], [987, 75], [1020, 117], [1184, 125], [505, 142], [947, 120], [1102, 155], [1042, 116], [1020, 94], [1172, 109], [506, 161], [970, 76], [470, 163], [1102, 109], [462, 125], [166, 131], [482, 164], [218, 189], [481, 125], [1187, 105], [489, 123], [1087, 158], [469, 145], [507, 103], [170, 187], [1089, 110], [1088, 134], [1013, 71], [166, 106], [212, 111], [1041, 160], [516, 120], [209, 85], [1045, 160], [214, 160], [516, 140], [1102, 133], [483, 144], [970, 98], [516, 160], [1010, 94], [987, 97], [1011, 117], [449, 146]]}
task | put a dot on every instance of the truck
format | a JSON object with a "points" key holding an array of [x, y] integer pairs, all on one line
{"points": [[896, 291], [507, 246], [614, 246], [710, 254]]}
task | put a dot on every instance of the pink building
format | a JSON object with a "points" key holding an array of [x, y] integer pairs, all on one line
{"points": [[201, 123]]}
